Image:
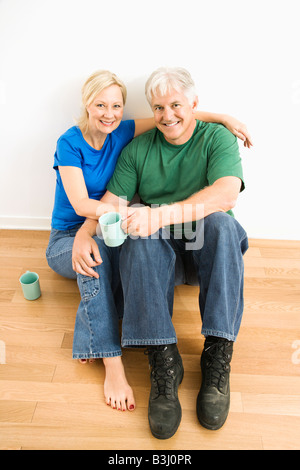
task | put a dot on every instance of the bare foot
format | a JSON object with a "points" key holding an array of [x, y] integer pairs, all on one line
{"points": [[84, 361], [118, 393]]}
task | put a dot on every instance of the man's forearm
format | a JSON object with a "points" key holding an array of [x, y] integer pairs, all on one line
{"points": [[219, 197]]}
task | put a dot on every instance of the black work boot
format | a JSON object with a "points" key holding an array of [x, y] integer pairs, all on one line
{"points": [[164, 411], [214, 397]]}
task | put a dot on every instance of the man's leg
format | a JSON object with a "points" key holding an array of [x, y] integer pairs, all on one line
{"points": [[147, 268], [221, 275], [147, 275]]}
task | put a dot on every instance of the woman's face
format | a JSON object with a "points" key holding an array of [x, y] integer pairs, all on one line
{"points": [[106, 111]]}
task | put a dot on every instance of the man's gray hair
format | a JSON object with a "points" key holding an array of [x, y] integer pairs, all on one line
{"points": [[164, 79]]}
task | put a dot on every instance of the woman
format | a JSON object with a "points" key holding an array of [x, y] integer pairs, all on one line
{"points": [[84, 161]]}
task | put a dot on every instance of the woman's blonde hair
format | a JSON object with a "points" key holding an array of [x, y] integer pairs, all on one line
{"points": [[92, 87]]}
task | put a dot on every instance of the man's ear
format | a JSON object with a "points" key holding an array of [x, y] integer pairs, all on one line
{"points": [[195, 104]]}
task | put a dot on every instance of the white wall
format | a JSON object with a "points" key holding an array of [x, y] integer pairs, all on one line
{"points": [[243, 55]]}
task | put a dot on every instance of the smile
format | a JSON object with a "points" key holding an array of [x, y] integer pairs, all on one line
{"points": [[172, 124], [105, 123]]}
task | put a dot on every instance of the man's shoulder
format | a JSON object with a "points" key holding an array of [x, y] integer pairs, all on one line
{"points": [[136, 148], [213, 128], [218, 131], [216, 135], [144, 138]]}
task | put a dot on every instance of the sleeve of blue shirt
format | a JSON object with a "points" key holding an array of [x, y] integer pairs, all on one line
{"points": [[67, 154]]}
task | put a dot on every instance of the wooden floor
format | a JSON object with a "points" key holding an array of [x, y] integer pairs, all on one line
{"points": [[49, 401]]}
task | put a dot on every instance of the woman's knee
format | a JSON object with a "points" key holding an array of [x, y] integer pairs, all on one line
{"points": [[89, 287]]}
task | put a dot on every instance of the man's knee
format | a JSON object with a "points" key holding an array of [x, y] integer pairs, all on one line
{"points": [[218, 220], [223, 226], [221, 223], [140, 245], [147, 249]]}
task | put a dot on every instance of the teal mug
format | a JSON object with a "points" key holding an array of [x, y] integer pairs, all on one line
{"points": [[30, 285], [112, 233]]}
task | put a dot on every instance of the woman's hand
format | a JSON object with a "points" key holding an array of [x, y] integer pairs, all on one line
{"points": [[85, 254], [238, 129]]}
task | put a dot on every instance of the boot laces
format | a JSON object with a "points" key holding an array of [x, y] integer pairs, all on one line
{"points": [[162, 372], [217, 361]]}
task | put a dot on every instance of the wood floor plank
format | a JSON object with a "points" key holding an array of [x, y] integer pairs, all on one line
{"points": [[16, 411], [96, 437]]}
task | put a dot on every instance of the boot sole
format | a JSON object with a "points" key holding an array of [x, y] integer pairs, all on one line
{"points": [[167, 436], [211, 427]]}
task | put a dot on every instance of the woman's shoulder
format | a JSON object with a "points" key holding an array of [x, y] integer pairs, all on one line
{"points": [[71, 133], [72, 138]]}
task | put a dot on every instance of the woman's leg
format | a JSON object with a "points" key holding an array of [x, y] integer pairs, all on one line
{"points": [[96, 333]]}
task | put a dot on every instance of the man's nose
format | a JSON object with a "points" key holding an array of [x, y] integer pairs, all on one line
{"points": [[168, 114]]}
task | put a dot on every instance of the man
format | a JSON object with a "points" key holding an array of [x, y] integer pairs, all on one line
{"points": [[184, 171]]}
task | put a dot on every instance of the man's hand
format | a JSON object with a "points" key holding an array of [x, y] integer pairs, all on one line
{"points": [[142, 221], [85, 254]]}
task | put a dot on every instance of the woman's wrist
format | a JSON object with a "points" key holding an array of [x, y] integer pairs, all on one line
{"points": [[88, 227]]}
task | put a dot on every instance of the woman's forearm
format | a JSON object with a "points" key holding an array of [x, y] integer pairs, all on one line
{"points": [[87, 208], [89, 226], [93, 209], [211, 117]]}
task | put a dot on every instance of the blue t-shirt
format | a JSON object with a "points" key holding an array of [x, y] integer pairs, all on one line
{"points": [[97, 167]]}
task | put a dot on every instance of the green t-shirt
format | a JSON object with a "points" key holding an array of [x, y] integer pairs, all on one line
{"points": [[163, 173]]}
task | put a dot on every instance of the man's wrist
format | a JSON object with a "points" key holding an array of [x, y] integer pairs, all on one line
{"points": [[181, 212], [169, 214]]}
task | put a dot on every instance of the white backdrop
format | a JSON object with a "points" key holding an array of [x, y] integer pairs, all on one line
{"points": [[243, 55]]}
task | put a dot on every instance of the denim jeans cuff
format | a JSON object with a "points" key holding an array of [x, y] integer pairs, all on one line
{"points": [[96, 355], [219, 334], [127, 343]]}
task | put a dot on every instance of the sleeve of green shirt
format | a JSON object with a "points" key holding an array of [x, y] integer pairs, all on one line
{"points": [[124, 181], [224, 157]]}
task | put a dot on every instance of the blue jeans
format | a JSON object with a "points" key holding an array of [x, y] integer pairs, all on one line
{"points": [[96, 332], [150, 268]]}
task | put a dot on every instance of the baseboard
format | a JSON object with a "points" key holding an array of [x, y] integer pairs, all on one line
{"points": [[25, 223], [44, 223]]}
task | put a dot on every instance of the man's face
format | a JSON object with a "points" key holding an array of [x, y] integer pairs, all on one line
{"points": [[174, 116]]}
